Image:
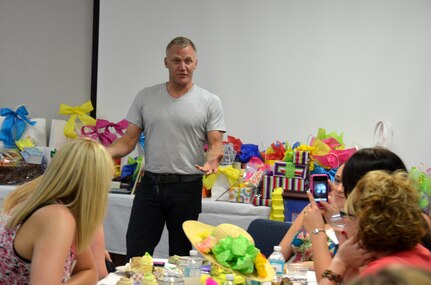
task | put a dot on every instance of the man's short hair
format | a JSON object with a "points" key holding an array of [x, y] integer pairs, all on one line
{"points": [[182, 42]]}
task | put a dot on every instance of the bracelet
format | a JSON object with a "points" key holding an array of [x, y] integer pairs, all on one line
{"points": [[331, 276]]}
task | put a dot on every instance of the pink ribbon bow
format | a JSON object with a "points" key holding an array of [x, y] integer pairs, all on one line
{"points": [[101, 131], [119, 127]]}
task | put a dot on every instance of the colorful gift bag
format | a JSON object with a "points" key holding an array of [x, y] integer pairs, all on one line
{"points": [[229, 154], [57, 137], [37, 132], [422, 178], [241, 194]]}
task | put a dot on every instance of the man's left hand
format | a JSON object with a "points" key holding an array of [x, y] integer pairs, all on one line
{"points": [[210, 167]]}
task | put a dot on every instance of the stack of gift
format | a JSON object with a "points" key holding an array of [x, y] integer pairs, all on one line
{"points": [[238, 175], [290, 175], [277, 206]]}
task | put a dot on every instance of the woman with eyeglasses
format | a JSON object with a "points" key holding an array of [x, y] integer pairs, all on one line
{"points": [[384, 225]]}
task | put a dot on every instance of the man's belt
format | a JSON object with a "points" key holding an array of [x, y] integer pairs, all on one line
{"points": [[166, 178]]}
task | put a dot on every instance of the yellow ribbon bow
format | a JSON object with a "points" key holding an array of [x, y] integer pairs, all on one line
{"points": [[231, 174], [74, 112]]}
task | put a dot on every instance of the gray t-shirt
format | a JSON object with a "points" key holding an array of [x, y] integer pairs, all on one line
{"points": [[175, 129]]}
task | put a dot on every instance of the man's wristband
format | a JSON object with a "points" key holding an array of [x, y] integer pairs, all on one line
{"points": [[336, 278]]}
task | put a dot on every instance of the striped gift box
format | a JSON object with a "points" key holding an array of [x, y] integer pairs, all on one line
{"points": [[271, 182], [300, 171], [259, 201], [300, 157]]}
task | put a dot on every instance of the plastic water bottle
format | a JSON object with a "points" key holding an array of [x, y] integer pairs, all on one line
{"points": [[229, 280], [276, 259], [193, 265]]}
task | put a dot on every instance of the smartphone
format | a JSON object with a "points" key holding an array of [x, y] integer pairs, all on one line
{"points": [[319, 188]]}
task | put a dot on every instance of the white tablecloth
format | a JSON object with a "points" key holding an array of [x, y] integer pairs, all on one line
{"points": [[112, 279], [213, 213], [4, 191]]}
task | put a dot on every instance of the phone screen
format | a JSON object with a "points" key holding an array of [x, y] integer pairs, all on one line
{"points": [[320, 188]]}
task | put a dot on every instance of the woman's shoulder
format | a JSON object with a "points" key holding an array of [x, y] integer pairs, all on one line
{"points": [[51, 225], [53, 215]]}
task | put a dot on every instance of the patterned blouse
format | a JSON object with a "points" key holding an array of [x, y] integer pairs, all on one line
{"points": [[15, 269], [301, 247]]}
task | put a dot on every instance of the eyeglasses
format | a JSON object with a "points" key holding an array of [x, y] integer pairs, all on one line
{"points": [[344, 214]]}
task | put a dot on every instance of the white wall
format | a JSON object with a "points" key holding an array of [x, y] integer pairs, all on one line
{"points": [[352, 62], [45, 54], [283, 68]]}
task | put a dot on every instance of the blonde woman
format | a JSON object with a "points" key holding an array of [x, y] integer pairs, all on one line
{"points": [[47, 225]]}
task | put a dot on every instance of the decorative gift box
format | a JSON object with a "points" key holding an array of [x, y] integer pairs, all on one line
{"points": [[271, 182], [277, 207], [32, 155], [290, 170], [240, 194], [300, 157]]}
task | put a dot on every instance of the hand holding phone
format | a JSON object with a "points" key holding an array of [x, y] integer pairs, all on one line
{"points": [[320, 188]]}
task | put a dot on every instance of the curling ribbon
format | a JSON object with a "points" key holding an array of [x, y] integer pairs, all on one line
{"points": [[13, 125], [74, 112], [105, 137]]}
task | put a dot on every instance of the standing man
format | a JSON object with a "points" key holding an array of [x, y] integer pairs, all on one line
{"points": [[178, 118]]}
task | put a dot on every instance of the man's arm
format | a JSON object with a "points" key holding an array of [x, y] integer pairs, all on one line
{"points": [[214, 154], [126, 143]]}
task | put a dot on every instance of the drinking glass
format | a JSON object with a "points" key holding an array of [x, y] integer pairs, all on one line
{"points": [[297, 273]]}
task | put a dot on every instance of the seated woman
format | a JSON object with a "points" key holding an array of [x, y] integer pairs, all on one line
{"points": [[384, 228], [48, 224], [296, 244], [361, 162]]}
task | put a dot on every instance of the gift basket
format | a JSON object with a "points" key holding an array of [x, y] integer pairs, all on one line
{"points": [[22, 146]]}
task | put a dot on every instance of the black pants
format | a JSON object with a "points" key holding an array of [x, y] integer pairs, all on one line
{"points": [[157, 203]]}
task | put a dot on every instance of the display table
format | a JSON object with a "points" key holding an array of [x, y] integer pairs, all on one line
{"points": [[213, 213]]}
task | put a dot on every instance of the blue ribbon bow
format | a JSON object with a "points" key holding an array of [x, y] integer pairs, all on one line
{"points": [[13, 125]]}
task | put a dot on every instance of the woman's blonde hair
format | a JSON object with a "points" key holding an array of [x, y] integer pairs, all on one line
{"points": [[79, 177], [387, 206]]}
